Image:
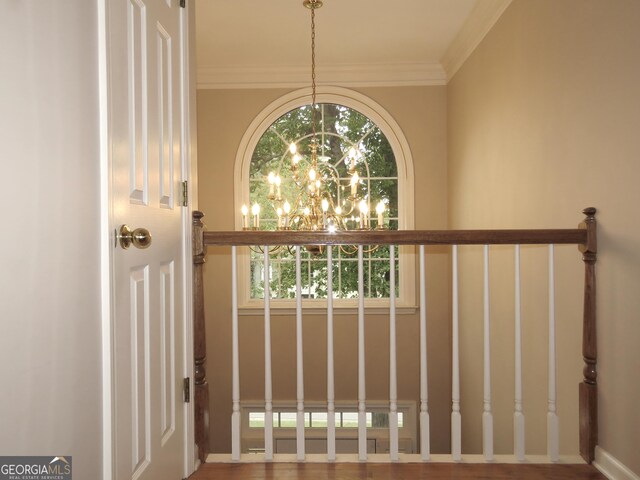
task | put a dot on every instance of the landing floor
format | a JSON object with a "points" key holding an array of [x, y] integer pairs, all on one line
{"points": [[381, 471]]}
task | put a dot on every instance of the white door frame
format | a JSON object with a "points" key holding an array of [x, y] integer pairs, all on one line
{"points": [[189, 173]]}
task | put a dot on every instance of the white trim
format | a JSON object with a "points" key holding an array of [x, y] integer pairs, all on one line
{"points": [[331, 418], [481, 20], [611, 467], [403, 458], [404, 162], [296, 76], [108, 447], [189, 173]]}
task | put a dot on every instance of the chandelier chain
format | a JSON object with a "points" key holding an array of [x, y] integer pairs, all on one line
{"points": [[313, 72]]}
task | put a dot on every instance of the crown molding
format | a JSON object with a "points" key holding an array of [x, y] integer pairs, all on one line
{"points": [[482, 18], [346, 75]]}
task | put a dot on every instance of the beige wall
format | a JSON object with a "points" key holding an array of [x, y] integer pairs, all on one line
{"points": [[223, 117], [543, 120]]}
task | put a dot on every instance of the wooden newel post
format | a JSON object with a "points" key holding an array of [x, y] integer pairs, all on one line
{"points": [[589, 386], [201, 387]]}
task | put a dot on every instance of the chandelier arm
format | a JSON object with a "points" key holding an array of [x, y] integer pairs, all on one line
{"points": [[353, 249], [298, 183], [333, 176], [348, 249], [370, 248], [340, 184], [273, 249]]}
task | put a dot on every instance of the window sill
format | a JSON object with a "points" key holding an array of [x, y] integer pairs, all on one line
{"points": [[319, 307]]}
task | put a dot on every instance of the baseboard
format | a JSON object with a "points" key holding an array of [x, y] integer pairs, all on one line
{"points": [[611, 467], [384, 458]]}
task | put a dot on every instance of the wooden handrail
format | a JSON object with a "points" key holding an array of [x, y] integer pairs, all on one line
{"points": [[577, 236]]}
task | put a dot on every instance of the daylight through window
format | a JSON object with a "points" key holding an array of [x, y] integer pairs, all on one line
{"points": [[339, 129]]}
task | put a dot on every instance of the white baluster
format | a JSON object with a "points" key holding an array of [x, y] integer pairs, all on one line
{"points": [[393, 379], [268, 395], [456, 418], [553, 446], [299, 361], [518, 415], [362, 416], [331, 417], [487, 416], [424, 409], [235, 395]]}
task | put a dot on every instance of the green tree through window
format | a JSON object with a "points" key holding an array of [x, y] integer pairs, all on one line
{"points": [[339, 129]]}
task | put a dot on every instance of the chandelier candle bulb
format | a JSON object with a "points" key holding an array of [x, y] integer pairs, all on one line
{"points": [[352, 157], [255, 210], [245, 219], [287, 210], [380, 212], [278, 182], [364, 214], [325, 208], [271, 178], [354, 184], [279, 212]]}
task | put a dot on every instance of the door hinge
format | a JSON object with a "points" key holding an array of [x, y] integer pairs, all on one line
{"points": [[186, 387], [184, 201], [183, 3]]}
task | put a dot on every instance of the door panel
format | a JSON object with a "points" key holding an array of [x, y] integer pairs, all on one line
{"points": [[168, 352], [165, 80], [140, 365], [137, 86], [146, 154]]}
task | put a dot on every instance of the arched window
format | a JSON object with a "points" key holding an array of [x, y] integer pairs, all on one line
{"points": [[345, 120]]}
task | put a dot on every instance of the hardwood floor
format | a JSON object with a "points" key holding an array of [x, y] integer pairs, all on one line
{"points": [[380, 471]]}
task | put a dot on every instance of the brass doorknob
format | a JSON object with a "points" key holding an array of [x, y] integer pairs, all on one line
{"points": [[140, 237]]}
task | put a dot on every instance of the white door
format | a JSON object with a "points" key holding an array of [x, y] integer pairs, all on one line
{"points": [[145, 133]]}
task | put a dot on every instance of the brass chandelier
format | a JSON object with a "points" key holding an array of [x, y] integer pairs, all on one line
{"points": [[316, 207]]}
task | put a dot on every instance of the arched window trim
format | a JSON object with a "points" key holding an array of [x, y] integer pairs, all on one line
{"points": [[404, 161]]}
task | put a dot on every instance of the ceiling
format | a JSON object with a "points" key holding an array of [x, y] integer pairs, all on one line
{"points": [[249, 43]]}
